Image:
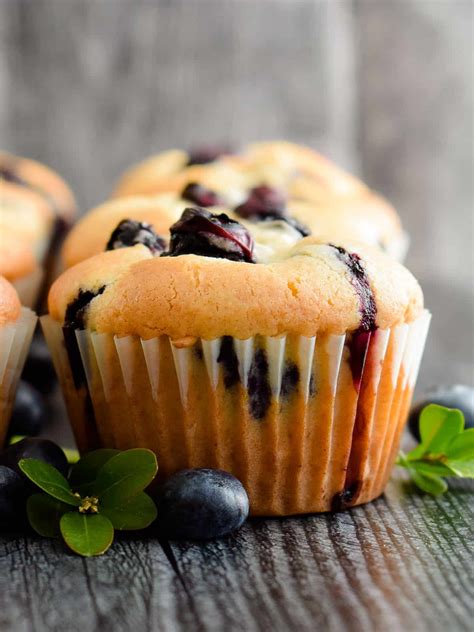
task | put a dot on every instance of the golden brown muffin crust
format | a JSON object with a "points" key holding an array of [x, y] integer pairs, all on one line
{"points": [[9, 303], [307, 291], [46, 181]]}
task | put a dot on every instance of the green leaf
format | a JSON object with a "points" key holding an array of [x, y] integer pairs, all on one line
{"points": [[461, 447], [137, 513], [124, 476], [87, 534], [71, 455], [438, 426], [47, 478], [432, 467], [429, 483], [85, 471], [463, 469], [44, 514]]}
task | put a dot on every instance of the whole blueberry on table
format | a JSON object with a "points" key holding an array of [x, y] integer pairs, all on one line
{"points": [[39, 370], [457, 396], [29, 411], [13, 493], [33, 448], [200, 504]]}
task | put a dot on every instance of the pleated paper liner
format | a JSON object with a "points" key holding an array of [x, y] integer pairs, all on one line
{"points": [[29, 287], [288, 416], [15, 340]]}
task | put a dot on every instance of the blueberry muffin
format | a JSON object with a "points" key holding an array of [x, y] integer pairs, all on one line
{"points": [[16, 330], [36, 207], [290, 364], [305, 179]]}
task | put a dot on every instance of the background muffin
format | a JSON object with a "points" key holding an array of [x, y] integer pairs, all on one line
{"points": [[349, 212], [295, 375], [36, 208], [16, 330], [301, 174]]}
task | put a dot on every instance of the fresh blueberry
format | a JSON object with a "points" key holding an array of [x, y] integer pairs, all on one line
{"points": [[200, 504], [32, 448], [199, 232], [29, 411], [39, 370], [130, 233], [200, 195], [458, 396], [13, 494]]}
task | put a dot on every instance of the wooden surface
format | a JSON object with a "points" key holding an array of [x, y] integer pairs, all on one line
{"points": [[385, 87], [403, 562]]}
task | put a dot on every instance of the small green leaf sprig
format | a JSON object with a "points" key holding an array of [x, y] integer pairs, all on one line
{"points": [[445, 450], [104, 492]]}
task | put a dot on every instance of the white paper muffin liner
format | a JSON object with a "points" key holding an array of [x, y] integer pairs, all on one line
{"points": [[29, 287], [284, 415], [15, 340]]}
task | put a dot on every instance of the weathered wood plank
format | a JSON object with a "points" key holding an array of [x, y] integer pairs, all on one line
{"points": [[44, 588], [402, 562], [395, 564]]}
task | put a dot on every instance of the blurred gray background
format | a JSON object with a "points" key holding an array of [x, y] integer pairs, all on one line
{"points": [[385, 87]]}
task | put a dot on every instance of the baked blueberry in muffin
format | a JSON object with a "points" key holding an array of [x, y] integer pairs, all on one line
{"points": [[200, 195], [200, 232], [130, 233], [276, 176]]}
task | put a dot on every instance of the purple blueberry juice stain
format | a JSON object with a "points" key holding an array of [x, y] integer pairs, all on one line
{"points": [[230, 363], [347, 497], [360, 339], [200, 195], [259, 390], [75, 319], [290, 379]]}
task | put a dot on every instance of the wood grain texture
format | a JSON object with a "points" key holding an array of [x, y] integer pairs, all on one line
{"points": [[403, 562]]}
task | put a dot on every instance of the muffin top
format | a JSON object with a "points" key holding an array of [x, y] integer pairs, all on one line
{"points": [[360, 219], [9, 303], [16, 259], [37, 178], [33, 199], [333, 197], [211, 280]]}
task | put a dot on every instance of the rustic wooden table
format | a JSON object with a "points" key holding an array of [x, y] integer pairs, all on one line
{"points": [[403, 562]]}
